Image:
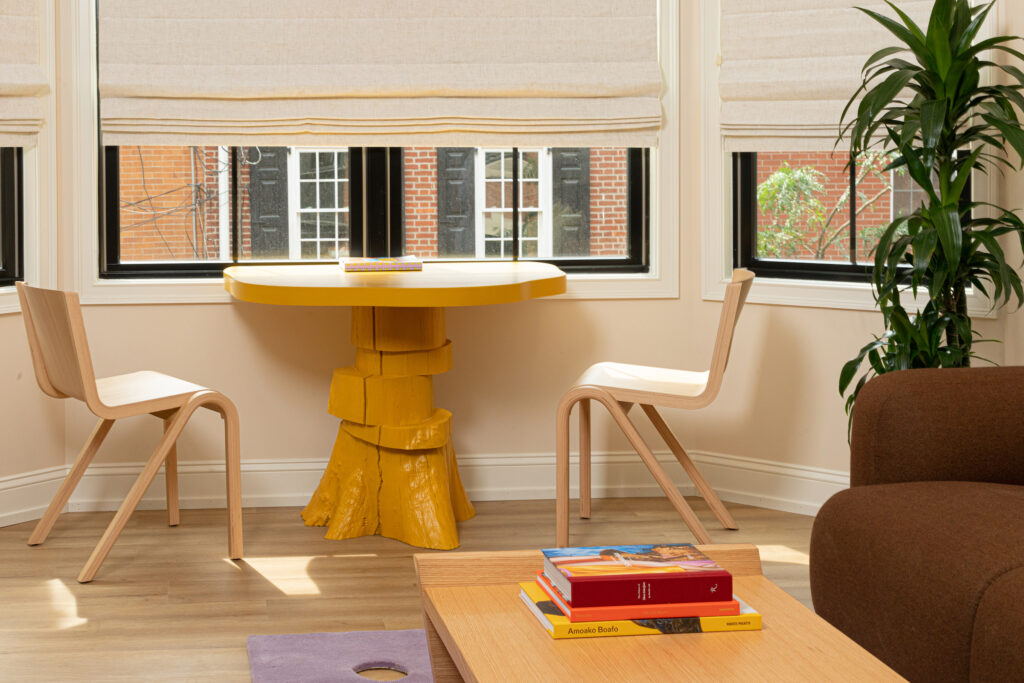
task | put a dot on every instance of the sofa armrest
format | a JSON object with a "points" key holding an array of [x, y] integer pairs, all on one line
{"points": [[956, 424]]}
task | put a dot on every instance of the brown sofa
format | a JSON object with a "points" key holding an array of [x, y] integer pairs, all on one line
{"points": [[921, 560]]}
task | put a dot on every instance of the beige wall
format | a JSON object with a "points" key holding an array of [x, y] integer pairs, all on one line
{"points": [[512, 361], [31, 424], [1011, 196]]}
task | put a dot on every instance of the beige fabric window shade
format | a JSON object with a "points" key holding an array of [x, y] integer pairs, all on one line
{"points": [[22, 80], [379, 72], [788, 68]]}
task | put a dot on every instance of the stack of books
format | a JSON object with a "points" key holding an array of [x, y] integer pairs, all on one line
{"points": [[634, 590], [382, 264]]}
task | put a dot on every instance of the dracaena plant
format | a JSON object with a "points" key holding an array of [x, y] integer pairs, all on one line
{"points": [[939, 105]]}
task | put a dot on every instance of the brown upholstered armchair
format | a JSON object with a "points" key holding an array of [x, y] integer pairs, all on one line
{"points": [[921, 561]]}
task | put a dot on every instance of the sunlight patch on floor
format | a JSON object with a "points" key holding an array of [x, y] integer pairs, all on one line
{"points": [[290, 574], [782, 553], [65, 606]]}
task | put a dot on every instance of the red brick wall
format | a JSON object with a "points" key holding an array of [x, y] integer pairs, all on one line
{"points": [[420, 201], [170, 208], [608, 231], [181, 183], [836, 182], [166, 197]]}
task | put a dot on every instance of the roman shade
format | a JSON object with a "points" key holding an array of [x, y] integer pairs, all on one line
{"points": [[788, 69], [22, 80], [379, 72]]}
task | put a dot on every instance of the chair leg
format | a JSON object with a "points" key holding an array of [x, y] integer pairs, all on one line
{"points": [[585, 458], [710, 497], [233, 473], [674, 496], [171, 477], [67, 487], [562, 471]]}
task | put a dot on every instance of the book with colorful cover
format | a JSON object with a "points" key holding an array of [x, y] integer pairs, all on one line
{"points": [[635, 574], [559, 626], [657, 610], [366, 265]]}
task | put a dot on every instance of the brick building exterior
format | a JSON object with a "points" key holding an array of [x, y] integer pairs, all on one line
{"points": [[836, 183], [170, 203]]}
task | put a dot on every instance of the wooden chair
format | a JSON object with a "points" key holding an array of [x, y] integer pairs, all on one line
{"points": [[618, 386], [63, 367]]}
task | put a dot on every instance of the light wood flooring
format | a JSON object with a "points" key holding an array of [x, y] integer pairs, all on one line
{"points": [[169, 605]]}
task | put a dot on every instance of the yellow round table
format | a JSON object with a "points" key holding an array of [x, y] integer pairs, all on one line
{"points": [[392, 471]]}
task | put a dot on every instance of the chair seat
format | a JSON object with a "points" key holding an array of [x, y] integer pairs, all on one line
{"points": [[148, 390], [644, 378]]}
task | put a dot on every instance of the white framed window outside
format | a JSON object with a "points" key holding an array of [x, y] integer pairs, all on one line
{"points": [[319, 200], [494, 193]]}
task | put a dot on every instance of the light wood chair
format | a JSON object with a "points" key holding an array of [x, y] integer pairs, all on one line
{"points": [[63, 368], [618, 386]]}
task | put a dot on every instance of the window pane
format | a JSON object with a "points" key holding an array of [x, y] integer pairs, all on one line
{"points": [[294, 200], [803, 206], [11, 256], [882, 196], [170, 203], [573, 201]]}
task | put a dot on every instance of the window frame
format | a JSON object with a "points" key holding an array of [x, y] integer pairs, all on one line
{"points": [[12, 216], [745, 229], [385, 225], [295, 182], [384, 163]]}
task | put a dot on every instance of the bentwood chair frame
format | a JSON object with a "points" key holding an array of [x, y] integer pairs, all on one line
{"points": [[619, 395], [63, 369]]}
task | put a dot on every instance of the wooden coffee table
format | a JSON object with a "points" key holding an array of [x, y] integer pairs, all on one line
{"points": [[479, 630]]}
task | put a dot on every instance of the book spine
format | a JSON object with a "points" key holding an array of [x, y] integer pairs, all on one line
{"points": [[697, 587], [599, 629], [658, 610]]}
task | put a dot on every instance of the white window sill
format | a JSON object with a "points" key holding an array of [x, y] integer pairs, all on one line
{"points": [[854, 296], [580, 286], [9, 300]]}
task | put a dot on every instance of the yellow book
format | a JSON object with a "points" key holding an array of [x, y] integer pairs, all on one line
{"points": [[559, 626]]}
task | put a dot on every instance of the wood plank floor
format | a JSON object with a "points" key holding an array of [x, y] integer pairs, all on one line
{"points": [[169, 605]]}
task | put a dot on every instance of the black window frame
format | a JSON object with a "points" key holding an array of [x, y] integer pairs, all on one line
{"points": [[744, 220], [12, 218], [744, 225], [384, 229]]}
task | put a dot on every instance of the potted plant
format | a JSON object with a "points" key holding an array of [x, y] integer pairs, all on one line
{"points": [[926, 102]]}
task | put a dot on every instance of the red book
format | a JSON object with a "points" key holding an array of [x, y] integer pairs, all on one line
{"points": [[635, 574], [655, 610]]}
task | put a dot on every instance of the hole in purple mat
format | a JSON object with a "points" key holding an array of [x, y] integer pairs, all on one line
{"points": [[381, 671]]}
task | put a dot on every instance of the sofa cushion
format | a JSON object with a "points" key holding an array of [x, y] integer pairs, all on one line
{"points": [[903, 568]]}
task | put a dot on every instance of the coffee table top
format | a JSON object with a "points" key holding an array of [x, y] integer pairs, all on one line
{"points": [[437, 285], [472, 600]]}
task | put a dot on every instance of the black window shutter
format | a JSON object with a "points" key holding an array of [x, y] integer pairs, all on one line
{"points": [[456, 219], [570, 201], [268, 201]]}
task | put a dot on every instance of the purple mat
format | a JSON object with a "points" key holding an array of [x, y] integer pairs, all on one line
{"points": [[329, 657]]}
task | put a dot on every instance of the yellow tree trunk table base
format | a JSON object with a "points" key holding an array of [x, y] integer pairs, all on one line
{"points": [[392, 471]]}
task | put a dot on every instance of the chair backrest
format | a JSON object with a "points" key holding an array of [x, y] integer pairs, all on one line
{"points": [[56, 337], [735, 294]]}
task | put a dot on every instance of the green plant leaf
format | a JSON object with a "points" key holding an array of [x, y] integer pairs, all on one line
{"points": [[882, 54], [947, 224], [1011, 131], [924, 245], [933, 116], [937, 39]]}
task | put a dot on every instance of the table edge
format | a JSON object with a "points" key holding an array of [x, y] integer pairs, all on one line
{"points": [[432, 297]]}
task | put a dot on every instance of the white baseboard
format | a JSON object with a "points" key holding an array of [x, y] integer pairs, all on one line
{"points": [[276, 483], [24, 497]]}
